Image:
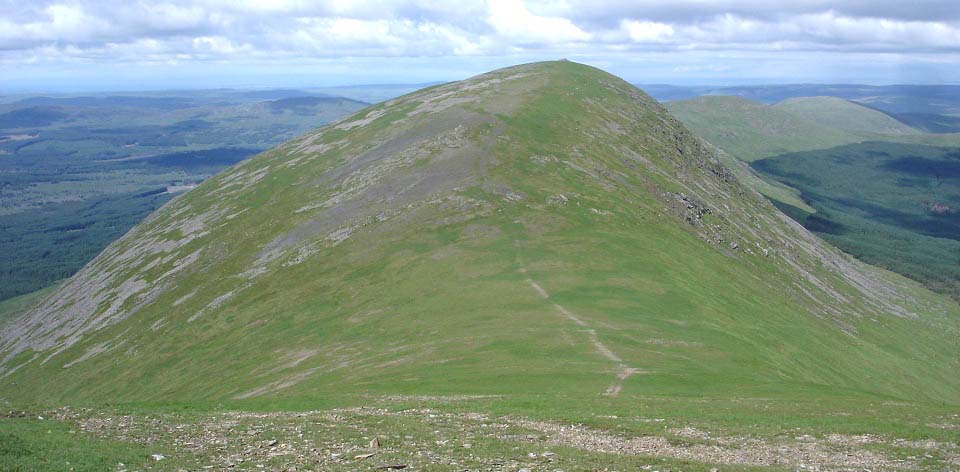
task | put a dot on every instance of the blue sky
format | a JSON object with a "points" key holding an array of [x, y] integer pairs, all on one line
{"points": [[64, 45]]}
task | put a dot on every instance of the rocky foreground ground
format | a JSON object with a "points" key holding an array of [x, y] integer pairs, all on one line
{"points": [[423, 438]]}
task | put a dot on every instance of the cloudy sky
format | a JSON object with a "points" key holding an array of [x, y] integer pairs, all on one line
{"points": [[66, 45]]}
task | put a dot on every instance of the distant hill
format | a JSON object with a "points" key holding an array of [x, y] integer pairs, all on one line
{"points": [[371, 93], [752, 130], [895, 99], [832, 152], [158, 103], [309, 105], [844, 115], [30, 117]]}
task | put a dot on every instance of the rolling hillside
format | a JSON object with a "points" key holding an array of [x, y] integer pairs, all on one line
{"points": [[857, 177], [545, 239], [845, 115], [77, 172], [931, 100], [750, 130]]}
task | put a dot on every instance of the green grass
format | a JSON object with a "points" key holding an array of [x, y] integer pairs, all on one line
{"points": [[31, 444], [11, 308], [432, 433], [436, 441]]}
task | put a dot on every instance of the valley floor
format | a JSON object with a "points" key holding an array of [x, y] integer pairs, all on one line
{"points": [[448, 433]]}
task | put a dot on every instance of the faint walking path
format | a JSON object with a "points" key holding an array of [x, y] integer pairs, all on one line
{"points": [[623, 371]]}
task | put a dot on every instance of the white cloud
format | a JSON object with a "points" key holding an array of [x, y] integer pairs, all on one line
{"points": [[332, 37], [512, 20], [285, 31], [170, 17], [421, 27], [56, 22], [647, 31], [217, 45]]}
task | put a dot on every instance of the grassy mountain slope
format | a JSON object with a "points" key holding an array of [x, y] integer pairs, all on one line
{"points": [[751, 130], [13, 308], [541, 228], [77, 180], [942, 100], [821, 182], [843, 114]]}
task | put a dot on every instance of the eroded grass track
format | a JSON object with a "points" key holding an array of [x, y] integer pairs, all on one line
{"points": [[622, 370]]}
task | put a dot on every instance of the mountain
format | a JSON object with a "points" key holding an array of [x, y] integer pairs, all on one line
{"points": [[844, 115], [30, 117], [873, 186], [942, 100], [546, 232], [752, 130]]}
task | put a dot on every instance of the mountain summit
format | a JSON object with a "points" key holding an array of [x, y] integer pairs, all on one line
{"points": [[540, 228]]}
